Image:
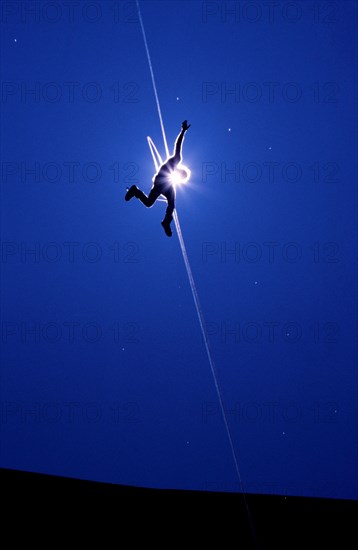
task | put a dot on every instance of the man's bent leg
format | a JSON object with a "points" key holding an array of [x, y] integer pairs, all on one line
{"points": [[149, 200]]}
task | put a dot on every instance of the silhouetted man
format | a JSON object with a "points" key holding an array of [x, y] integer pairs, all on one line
{"points": [[163, 182]]}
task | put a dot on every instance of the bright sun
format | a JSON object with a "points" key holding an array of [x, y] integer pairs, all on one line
{"points": [[180, 175]]}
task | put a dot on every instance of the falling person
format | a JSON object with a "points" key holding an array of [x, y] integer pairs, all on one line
{"points": [[164, 182]]}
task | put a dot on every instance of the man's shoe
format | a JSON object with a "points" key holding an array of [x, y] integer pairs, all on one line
{"points": [[166, 227], [131, 193]]}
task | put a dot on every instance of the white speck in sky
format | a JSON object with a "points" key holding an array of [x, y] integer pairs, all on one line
{"points": [[177, 98], [229, 129], [270, 148], [255, 282], [122, 349], [15, 39]]}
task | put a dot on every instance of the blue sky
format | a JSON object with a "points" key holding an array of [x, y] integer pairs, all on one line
{"points": [[104, 371]]}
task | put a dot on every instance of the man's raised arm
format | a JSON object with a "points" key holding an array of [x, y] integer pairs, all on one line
{"points": [[179, 142]]}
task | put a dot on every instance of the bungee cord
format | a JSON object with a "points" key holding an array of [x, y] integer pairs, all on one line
{"points": [[157, 162]]}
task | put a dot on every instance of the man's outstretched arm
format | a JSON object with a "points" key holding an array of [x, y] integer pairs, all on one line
{"points": [[179, 142]]}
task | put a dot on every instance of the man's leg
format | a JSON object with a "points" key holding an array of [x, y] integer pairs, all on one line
{"points": [[170, 196], [149, 200]]}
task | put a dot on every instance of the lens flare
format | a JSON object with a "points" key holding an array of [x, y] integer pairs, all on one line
{"points": [[180, 175]]}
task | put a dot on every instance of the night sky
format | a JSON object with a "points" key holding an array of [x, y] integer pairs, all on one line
{"points": [[104, 373]]}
